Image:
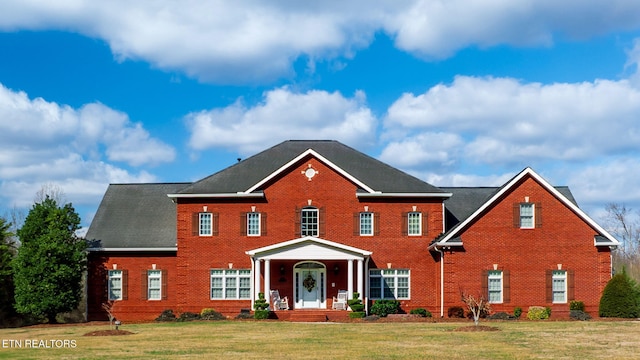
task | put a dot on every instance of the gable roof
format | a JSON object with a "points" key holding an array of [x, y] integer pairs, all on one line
{"points": [[309, 247], [135, 217], [451, 237], [247, 177]]}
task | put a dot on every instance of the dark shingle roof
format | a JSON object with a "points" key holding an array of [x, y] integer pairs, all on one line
{"points": [[135, 216], [373, 173]]}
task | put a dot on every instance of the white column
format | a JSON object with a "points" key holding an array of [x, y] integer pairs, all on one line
{"points": [[267, 280], [361, 278], [257, 278], [350, 279]]}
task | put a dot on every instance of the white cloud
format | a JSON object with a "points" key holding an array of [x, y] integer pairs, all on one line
{"points": [[284, 115], [46, 143], [505, 121], [257, 41]]}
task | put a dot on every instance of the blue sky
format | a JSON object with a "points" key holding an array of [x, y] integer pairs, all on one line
{"points": [[458, 93]]}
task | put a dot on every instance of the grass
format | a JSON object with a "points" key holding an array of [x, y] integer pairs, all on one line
{"points": [[365, 340]]}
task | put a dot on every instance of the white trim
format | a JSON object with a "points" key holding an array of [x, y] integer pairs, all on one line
{"points": [[379, 194], [527, 171], [134, 249], [300, 157], [271, 251], [218, 195]]}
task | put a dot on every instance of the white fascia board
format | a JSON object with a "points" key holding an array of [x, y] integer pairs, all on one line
{"points": [[402, 195], [508, 186], [218, 195], [169, 249], [319, 157], [312, 239]]}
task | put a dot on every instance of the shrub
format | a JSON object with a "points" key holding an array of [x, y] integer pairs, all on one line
{"points": [[537, 313], [455, 312], [357, 307], [501, 316], [211, 314], [260, 303], [166, 315], [384, 307], [422, 312], [261, 314], [517, 312], [356, 315], [620, 298], [548, 310], [576, 305], [188, 316], [579, 315]]}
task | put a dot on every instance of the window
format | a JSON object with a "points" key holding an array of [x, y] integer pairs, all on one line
{"points": [[205, 224], [309, 222], [414, 224], [117, 285], [253, 224], [154, 284], [559, 287], [230, 284], [495, 286], [526, 216], [389, 284], [366, 223]]}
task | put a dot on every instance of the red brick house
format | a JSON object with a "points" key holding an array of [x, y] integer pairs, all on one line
{"points": [[309, 218]]}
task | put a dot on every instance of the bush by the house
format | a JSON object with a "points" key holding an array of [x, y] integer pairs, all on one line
{"points": [[501, 316], [422, 312], [356, 315], [385, 307], [262, 307], [620, 298], [211, 314], [537, 313], [166, 315], [356, 306], [579, 315], [455, 312], [517, 312], [188, 316], [576, 305]]}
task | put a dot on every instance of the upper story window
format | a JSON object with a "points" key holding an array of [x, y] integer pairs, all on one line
{"points": [[414, 223], [366, 223], [526, 216], [253, 224], [309, 222], [204, 224]]}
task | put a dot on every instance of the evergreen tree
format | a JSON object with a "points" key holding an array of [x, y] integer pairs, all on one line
{"points": [[620, 298], [7, 251], [50, 262]]}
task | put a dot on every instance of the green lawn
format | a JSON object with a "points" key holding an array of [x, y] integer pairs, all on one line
{"points": [[366, 340]]}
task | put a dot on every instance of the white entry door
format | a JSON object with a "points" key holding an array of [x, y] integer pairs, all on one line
{"points": [[310, 286]]}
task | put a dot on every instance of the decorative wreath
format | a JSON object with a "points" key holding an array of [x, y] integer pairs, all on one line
{"points": [[309, 283]]}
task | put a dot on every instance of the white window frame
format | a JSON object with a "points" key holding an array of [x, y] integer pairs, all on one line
{"points": [[559, 276], [254, 218], [495, 275], [115, 275], [151, 276], [527, 221], [205, 224], [411, 217], [304, 222], [363, 224], [226, 287], [391, 278]]}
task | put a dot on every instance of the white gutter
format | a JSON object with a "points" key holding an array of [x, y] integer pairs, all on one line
{"points": [[134, 249], [382, 195], [218, 195]]}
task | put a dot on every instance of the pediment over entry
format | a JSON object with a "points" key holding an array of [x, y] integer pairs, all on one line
{"points": [[309, 247]]}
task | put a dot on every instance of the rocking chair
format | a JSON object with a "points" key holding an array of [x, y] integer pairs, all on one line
{"points": [[340, 302], [277, 302]]}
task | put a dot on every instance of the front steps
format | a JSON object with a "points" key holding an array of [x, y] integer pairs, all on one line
{"points": [[320, 315]]}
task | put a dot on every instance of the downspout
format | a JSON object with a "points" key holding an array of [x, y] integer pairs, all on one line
{"points": [[441, 280]]}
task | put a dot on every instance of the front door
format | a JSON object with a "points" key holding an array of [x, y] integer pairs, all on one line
{"points": [[310, 285]]}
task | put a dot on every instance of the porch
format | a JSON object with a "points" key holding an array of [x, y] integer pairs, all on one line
{"points": [[312, 315]]}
